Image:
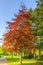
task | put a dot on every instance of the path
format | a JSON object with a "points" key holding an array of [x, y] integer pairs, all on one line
{"points": [[3, 61]]}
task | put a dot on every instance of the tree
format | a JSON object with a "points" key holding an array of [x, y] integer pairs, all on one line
{"points": [[37, 19], [20, 33], [39, 45]]}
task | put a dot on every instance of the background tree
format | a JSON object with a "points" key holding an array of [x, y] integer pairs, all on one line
{"points": [[37, 19]]}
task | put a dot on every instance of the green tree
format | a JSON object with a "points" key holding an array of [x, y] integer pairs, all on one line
{"points": [[37, 23]]}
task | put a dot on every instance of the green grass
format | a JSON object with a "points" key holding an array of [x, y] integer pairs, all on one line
{"points": [[38, 63], [13, 61], [16, 61]]}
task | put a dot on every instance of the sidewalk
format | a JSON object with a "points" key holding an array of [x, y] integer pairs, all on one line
{"points": [[3, 61]]}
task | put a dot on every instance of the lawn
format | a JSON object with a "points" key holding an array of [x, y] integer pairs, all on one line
{"points": [[16, 61]]}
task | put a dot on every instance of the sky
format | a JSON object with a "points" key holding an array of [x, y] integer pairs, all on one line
{"points": [[7, 10]]}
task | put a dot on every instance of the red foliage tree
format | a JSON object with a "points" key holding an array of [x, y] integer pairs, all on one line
{"points": [[20, 33]]}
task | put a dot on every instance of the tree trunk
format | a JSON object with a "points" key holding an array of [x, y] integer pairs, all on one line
{"points": [[12, 55], [20, 58], [39, 54], [34, 53]]}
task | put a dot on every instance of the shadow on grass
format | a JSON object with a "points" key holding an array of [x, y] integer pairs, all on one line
{"points": [[28, 57], [40, 58]]}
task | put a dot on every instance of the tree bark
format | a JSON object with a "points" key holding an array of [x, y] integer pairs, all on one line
{"points": [[34, 53], [39, 54], [20, 58], [12, 55]]}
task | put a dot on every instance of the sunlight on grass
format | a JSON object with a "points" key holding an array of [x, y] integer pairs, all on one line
{"points": [[38, 63], [16, 61]]}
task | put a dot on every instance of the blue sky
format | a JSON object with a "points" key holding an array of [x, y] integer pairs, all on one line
{"points": [[7, 10]]}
